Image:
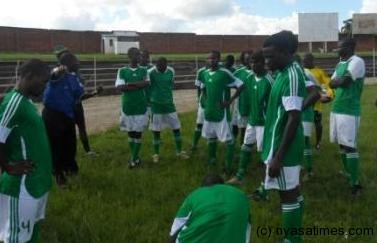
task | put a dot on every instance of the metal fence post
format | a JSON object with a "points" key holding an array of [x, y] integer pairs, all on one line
{"points": [[95, 72]]}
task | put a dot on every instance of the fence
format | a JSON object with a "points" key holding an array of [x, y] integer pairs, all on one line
{"points": [[104, 73]]}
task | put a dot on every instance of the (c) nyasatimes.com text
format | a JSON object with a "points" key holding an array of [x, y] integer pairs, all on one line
{"points": [[267, 231]]}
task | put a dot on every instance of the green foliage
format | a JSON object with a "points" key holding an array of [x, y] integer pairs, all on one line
{"points": [[107, 202]]}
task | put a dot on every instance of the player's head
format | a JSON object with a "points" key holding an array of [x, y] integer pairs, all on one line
{"points": [[213, 59], [59, 50], [346, 48], [161, 64], [245, 57], [278, 49], [212, 179], [308, 60], [34, 75], [134, 55], [70, 61], [229, 61], [144, 57], [258, 62]]}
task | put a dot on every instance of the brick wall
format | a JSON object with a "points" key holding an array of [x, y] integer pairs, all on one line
{"points": [[43, 41]]}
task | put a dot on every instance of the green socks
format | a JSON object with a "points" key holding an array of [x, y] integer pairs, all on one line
{"points": [[136, 149], [245, 158], [212, 147], [308, 155], [156, 142], [197, 135], [178, 141], [229, 154], [353, 167], [291, 221]]}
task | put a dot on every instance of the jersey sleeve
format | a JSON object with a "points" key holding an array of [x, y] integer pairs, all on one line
{"points": [[183, 215], [119, 81], [11, 116], [78, 89], [233, 81], [199, 78], [356, 68], [292, 98]]}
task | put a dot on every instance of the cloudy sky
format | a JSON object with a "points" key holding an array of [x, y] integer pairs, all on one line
{"points": [[198, 16]]}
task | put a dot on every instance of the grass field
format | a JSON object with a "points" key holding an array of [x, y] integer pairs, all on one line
{"points": [[109, 203], [112, 57]]}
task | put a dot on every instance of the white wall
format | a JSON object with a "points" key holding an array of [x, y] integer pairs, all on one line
{"points": [[122, 47], [106, 45]]}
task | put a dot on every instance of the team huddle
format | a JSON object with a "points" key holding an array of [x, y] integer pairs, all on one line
{"points": [[271, 101]]}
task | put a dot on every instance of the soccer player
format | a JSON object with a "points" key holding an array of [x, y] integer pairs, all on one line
{"points": [[326, 94], [217, 82], [164, 114], [200, 113], [283, 139], [145, 62], [313, 95], [348, 81], [132, 82], [241, 108], [62, 94], [258, 85], [25, 157], [213, 213]]}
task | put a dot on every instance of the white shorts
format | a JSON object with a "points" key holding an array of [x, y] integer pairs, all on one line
{"points": [[344, 129], [161, 121], [254, 134], [200, 115], [288, 179], [219, 130], [19, 215], [136, 123], [308, 126]]}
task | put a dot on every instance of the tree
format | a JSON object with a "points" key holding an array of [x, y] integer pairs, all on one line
{"points": [[347, 27]]}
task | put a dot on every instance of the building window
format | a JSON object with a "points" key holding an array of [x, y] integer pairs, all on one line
{"points": [[111, 43]]}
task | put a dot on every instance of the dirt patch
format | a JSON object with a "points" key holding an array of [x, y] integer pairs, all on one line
{"points": [[102, 112]]}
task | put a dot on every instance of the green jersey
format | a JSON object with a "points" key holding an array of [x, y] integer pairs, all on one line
{"points": [[24, 134], [287, 94], [198, 83], [218, 213], [217, 84], [161, 90], [133, 102], [244, 99], [347, 99], [259, 88]]}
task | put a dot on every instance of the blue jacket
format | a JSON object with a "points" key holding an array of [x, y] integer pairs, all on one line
{"points": [[63, 94]]}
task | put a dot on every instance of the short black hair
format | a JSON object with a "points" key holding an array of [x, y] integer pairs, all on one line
{"points": [[284, 41], [33, 68], [212, 179], [349, 42], [216, 53], [162, 60], [243, 53], [258, 56], [67, 58], [132, 50]]}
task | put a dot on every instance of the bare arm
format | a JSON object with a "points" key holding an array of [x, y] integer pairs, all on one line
{"points": [[340, 82], [227, 103], [19, 168], [133, 86], [312, 97], [294, 118]]}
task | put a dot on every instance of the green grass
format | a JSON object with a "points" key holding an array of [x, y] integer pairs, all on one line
{"points": [[113, 58], [108, 202]]}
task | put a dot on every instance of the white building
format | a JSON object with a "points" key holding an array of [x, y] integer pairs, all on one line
{"points": [[118, 42]]}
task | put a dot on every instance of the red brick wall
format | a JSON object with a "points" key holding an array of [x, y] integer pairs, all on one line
{"points": [[43, 41]]}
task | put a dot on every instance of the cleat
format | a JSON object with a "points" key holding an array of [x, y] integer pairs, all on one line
{"points": [[183, 155], [155, 158], [235, 181], [131, 164], [356, 191], [91, 154]]}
